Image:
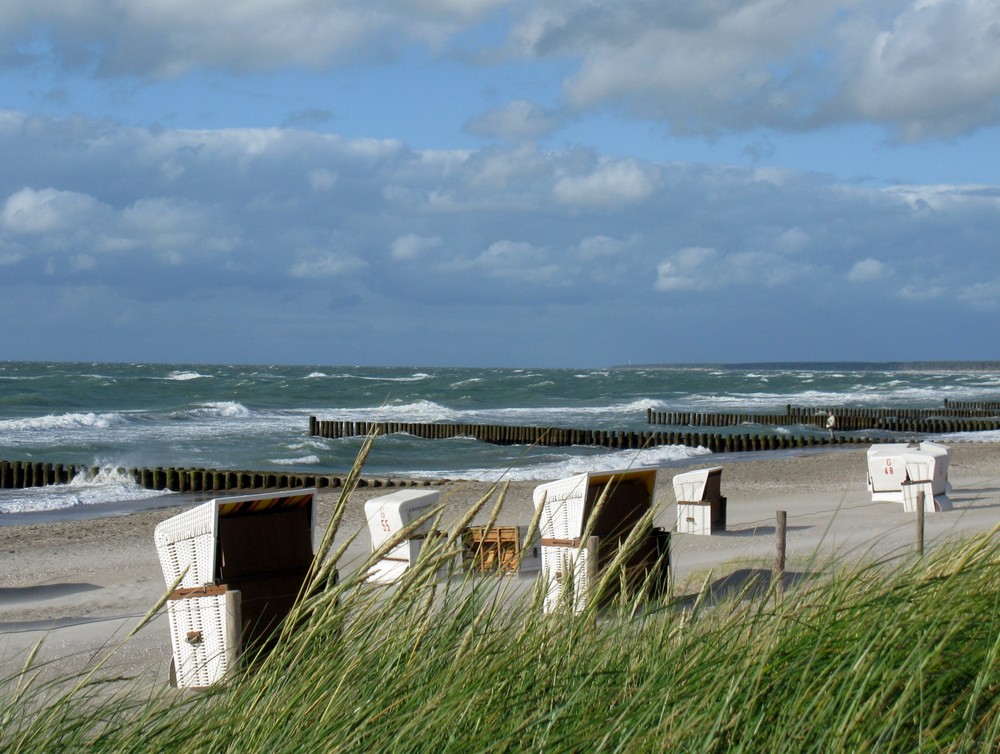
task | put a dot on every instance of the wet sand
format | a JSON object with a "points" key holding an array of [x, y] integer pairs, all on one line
{"points": [[82, 584]]}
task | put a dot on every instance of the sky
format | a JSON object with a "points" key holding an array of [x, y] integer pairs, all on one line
{"points": [[580, 183]]}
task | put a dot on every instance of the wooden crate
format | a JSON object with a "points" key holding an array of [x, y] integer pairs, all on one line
{"points": [[495, 549]]}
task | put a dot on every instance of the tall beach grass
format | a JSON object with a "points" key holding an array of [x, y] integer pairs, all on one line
{"points": [[866, 658]]}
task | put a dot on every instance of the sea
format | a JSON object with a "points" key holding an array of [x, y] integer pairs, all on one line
{"points": [[118, 415]]}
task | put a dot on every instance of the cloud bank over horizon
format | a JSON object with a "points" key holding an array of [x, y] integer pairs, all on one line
{"points": [[260, 217]]}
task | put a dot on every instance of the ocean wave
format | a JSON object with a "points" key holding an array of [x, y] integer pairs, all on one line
{"points": [[62, 421], [217, 409], [422, 411], [416, 377], [570, 464], [310, 460], [110, 484], [184, 376], [315, 375], [959, 437]]}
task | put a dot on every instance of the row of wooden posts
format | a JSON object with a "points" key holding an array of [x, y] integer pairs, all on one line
{"points": [[24, 474], [21, 474], [921, 421], [560, 437]]}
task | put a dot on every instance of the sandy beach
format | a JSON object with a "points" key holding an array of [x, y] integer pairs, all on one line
{"points": [[81, 585]]}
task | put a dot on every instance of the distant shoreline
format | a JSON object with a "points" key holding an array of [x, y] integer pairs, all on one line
{"points": [[832, 366]]}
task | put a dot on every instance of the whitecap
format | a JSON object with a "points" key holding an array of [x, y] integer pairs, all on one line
{"points": [[110, 484], [221, 409], [310, 460], [51, 422], [183, 376], [569, 464]]}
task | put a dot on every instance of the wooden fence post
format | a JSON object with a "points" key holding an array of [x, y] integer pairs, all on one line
{"points": [[780, 529], [920, 522]]}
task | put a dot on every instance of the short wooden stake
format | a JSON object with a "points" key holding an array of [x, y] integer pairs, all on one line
{"points": [[779, 551], [920, 522]]}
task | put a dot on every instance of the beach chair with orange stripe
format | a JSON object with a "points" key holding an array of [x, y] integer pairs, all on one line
{"points": [[585, 522], [237, 565]]}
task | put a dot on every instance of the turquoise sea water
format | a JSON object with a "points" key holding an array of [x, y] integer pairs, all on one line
{"points": [[257, 417]]}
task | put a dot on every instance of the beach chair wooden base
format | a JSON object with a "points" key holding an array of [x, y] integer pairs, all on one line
{"points": [[704, 517], [205, 634]]}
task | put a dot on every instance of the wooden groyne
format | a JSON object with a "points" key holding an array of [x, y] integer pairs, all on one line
{"points": [[972, 418], [24, 474], [561, 437]]}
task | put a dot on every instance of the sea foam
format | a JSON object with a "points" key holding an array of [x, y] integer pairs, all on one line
{"points": [[109, 485]]}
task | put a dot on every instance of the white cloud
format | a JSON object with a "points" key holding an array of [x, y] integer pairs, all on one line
{"points": [[327, 266], [166, 39], [242, 218], [983, 295], [792, 240], [48, 210], [935, 71], [922, 292], [867, 270], [612, 182], [520, 261], [596, 247], [412, 246], [81, 262], [688, 269], [322, 180], [518, 119], [921, 67]]}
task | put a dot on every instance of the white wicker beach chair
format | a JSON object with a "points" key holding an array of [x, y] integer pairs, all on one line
{"points": [[387, 516], [567, 506], [891, 465], [701, 507], [241, 562]]}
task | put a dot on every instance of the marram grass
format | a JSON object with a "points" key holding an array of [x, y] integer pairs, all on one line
{"points": [[866, 659]]}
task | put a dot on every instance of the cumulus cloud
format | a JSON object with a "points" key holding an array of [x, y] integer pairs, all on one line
{"points": [[518, 119], [867, 270], [164, 39], [412, 246], [983, 294], [617, 236], [922, 68], [933, 71], [688, 269], [327, 266], [597, 247], [612, 182], [35, 212]]}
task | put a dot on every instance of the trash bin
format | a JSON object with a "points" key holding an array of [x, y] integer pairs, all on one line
{"points": [[890, 465], [242, 562], [701, 507], [387, 516], [569, 509]]}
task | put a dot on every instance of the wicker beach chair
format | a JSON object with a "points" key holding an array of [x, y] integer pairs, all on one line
{"points": [[572, 563], [387, 517], [895, 469], [239, 564], [701, 507]]}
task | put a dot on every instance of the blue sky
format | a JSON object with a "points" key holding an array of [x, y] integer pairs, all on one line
{"points": [[487, 183]]}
